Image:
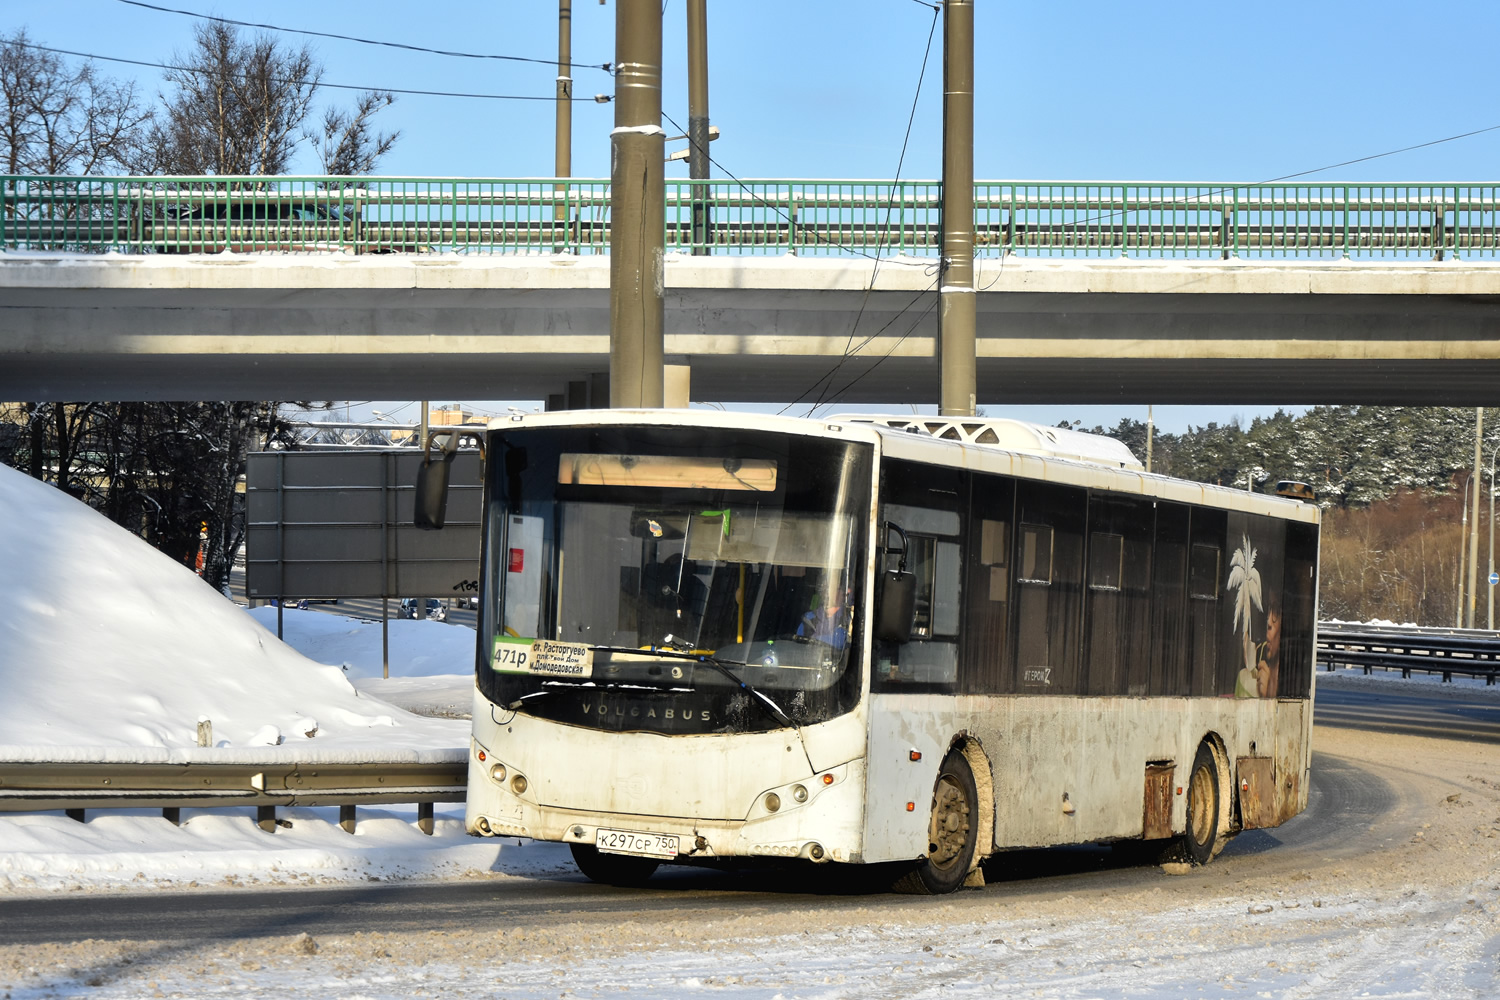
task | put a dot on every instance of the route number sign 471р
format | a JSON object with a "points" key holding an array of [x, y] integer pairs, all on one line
{"points": [[542, 657]]}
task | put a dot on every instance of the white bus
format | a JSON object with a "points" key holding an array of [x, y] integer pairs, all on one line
{"points": [[869, 639]]}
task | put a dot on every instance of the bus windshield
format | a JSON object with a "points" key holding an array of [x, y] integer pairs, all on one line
{"points": [[673, 579]]}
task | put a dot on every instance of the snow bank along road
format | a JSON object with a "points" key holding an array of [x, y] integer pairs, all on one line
{"points": [[1387, 886]]}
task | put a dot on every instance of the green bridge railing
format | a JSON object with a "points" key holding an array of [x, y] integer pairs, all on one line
{"points": [[364, 215]]}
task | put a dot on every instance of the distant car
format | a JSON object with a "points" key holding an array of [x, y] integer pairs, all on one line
{"points": [[424, 607]]}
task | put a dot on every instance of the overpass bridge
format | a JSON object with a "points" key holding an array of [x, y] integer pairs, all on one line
{"points": [[145, 288]]}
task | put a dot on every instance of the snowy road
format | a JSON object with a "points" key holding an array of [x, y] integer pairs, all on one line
{"points": [[1345, 796], [1384, 888]]}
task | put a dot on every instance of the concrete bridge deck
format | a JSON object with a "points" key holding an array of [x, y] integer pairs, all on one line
{"points": [[114, 326]]}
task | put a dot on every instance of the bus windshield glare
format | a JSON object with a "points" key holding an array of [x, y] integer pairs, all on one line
{"points": [[679, 584]]}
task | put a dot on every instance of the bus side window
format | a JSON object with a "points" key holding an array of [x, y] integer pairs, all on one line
{"points": [[984, 648], [1117, 651], [930, 659], [1206, 568], [1298, 613], [1169, 628], [1049, 586]]}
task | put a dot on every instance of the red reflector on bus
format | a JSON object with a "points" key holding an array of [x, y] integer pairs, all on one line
{"points": [[911, 807], [916, 755], [517, 560]]}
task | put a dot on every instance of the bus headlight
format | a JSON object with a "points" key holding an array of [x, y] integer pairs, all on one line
{"points": [[773, 802], [497, 774], [518, 784], [799, 793]]}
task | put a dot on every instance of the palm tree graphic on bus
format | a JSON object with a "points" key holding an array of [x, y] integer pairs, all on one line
{"points": [[1244, 581]]}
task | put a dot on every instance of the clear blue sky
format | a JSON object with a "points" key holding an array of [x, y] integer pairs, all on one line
{"points": [[1064, 91]]}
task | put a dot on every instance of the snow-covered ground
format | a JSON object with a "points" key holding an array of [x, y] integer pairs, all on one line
{"points": [[432, 663], [109, 649]]}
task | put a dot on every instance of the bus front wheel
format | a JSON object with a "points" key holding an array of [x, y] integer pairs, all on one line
{"points": [[952, 831], [612, 869], [1203, 807]]}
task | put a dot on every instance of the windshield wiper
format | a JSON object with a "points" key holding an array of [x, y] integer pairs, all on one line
{"points": [[722, 666]]}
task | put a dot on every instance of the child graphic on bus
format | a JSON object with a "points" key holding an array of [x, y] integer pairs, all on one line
{"points": [[1268, 654]]}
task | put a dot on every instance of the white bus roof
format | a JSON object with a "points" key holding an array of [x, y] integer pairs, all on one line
{"points": [[1018, 448], [1012, 435]]}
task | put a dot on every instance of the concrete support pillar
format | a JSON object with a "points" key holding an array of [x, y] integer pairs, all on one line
{"points": [[677, 385]]}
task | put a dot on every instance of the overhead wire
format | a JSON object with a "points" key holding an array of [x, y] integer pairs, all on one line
{"points": [[1301, 173], [761, 199], [320, 83], [890, 204], [354, 38], [931, 305]]}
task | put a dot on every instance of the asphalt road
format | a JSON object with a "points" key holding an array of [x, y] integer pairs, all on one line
{"points": [[1445, 715]]}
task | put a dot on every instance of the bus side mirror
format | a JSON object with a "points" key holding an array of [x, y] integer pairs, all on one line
{"points": [[431, 506], [894, 606], [896, 594]]}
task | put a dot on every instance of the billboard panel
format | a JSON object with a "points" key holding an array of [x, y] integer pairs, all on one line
{"points": [[326, 524]]}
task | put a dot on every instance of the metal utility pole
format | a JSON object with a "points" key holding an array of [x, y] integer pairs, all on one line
{"points": [[564, 160], [956, 312], [1490, 621], [1150, 433], [697, 133], [1474, 529], [637, 205]]}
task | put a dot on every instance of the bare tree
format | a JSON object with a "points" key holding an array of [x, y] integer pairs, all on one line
{"points": [[347, 146], [56, 119], [239, 106]]}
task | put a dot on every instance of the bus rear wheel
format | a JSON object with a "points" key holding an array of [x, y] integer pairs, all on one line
{"points": [[1203, 806], [952, 832], [612, 869]]}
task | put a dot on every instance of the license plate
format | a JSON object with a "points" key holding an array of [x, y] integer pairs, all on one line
{"points": [[646, 845]]}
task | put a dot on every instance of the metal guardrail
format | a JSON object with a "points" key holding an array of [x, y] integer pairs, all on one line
{"points": [[77, 787], [1465, 652], [819, 217]]}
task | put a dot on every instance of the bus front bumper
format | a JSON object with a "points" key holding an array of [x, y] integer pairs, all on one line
{"points": [[816, 818]]}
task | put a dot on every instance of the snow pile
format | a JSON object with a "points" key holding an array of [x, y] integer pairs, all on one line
{"points": [[110, 650], [432, 663], [137, 849], [417, 648]]}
